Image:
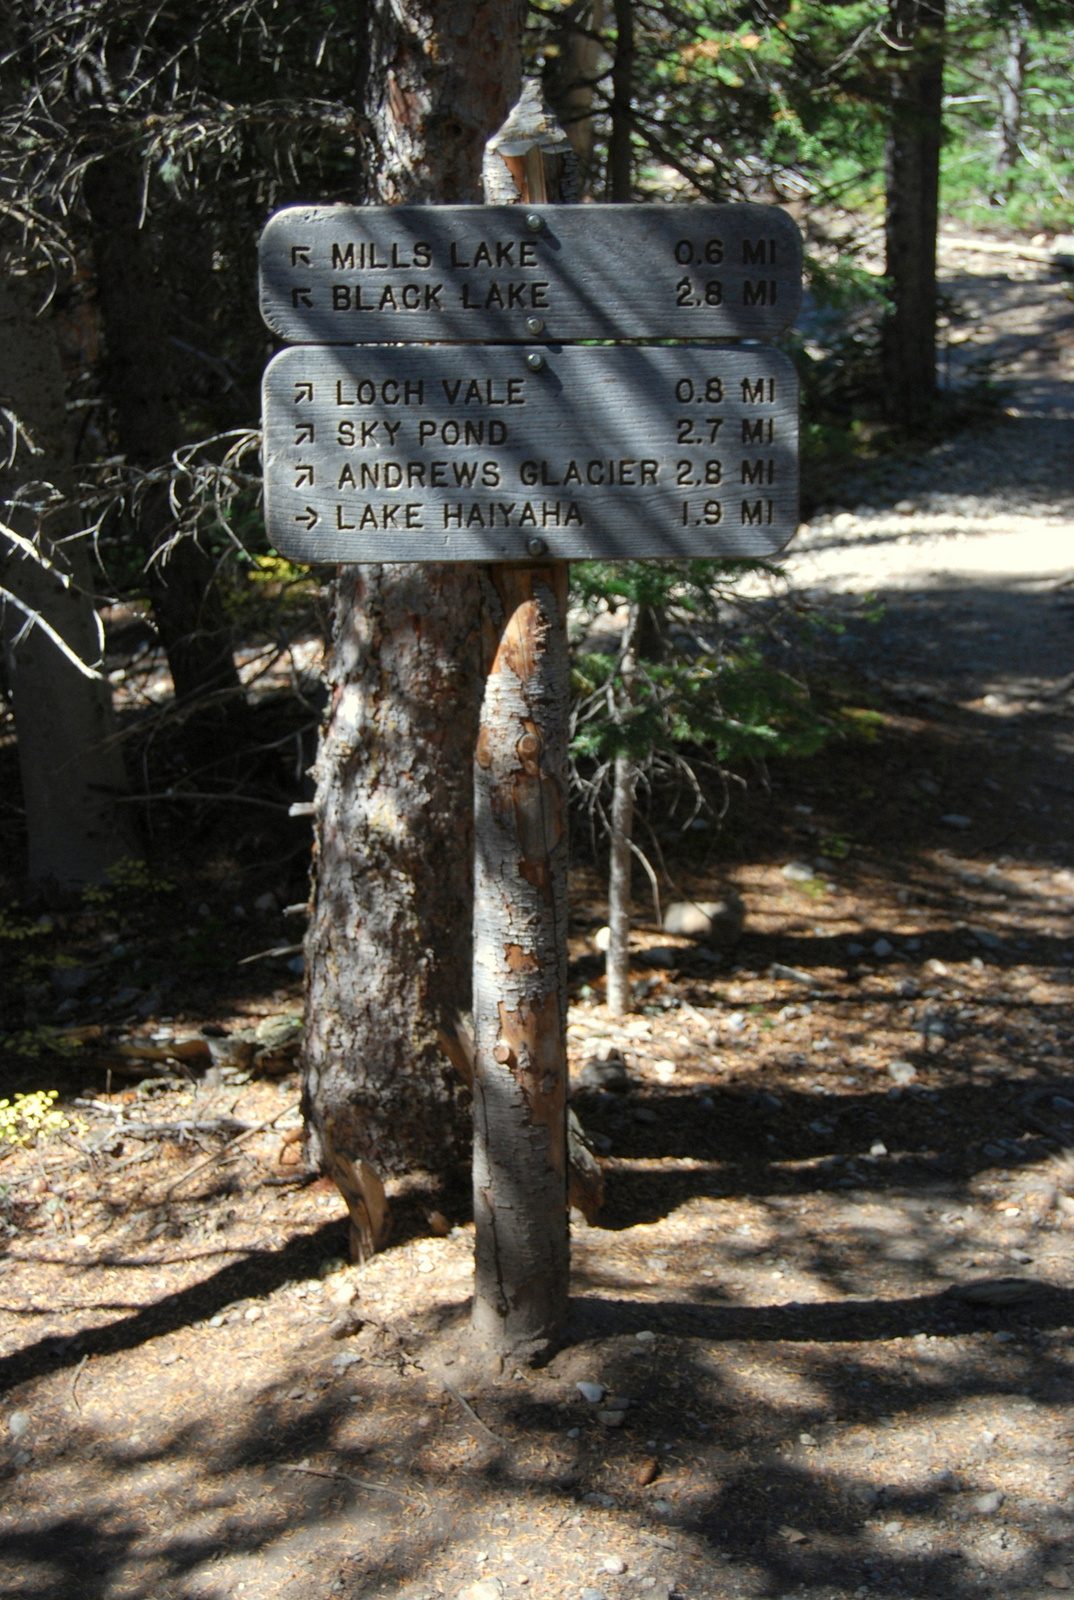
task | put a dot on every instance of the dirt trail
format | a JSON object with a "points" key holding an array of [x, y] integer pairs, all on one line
{"points": [[830, 1304]]}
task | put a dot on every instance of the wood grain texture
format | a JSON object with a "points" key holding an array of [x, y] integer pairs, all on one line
{"points": [[596, 455], [520, 964], [476, 274]]}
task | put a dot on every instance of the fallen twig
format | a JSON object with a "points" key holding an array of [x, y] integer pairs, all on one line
{"points": [[239, 1139], [228, 1126], [274, 950], [74, 1384], [344, 1477], [470, 1412]]}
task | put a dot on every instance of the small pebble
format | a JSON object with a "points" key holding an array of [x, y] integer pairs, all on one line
{"points": [[614, 1564], [18, 1423], [902, 1072], [611, 1419], [253, 1313], [645, 1337], [986, 1504], [798, 871], [647, 1470], [593, 1594], [484, 1589], [593, 1392]]}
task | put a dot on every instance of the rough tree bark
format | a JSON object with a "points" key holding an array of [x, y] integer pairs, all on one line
{"points": [[912, 176], [137, 378], [388, 947], [71, 767], [388, 950]]}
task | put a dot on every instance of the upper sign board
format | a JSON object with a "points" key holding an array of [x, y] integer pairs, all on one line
{"points": [[507, 274], [443, 453]]}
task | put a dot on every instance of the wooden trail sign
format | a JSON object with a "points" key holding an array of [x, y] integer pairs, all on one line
{"points": [[510, 274], [389, 437], [453, 454]]}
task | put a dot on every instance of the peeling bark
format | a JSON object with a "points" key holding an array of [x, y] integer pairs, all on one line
{"points": [[585, 1176], [520, 965], [522, 1244]]}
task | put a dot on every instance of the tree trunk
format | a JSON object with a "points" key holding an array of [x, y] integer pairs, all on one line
{"points": [[388, 951], [912, 172], [522, 1244], [620, 186], [137, 377], [520, 966], [1012, 89], [71, 767], [620, 152], [617, 960], [570, 78], [388, 947]]}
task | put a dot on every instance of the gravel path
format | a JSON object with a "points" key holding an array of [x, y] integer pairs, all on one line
{"points": [[971, 544]]}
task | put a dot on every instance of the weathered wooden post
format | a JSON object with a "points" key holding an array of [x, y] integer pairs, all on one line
{"points": [[522, 1251]]}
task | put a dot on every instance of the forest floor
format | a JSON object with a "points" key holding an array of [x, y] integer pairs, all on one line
{"points": [[829, 1303]]}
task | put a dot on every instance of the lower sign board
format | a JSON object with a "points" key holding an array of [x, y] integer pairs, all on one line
{"points": [[441, 453]]}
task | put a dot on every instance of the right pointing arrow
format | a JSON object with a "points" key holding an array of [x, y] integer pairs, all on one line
{"points": [[309, 517]]}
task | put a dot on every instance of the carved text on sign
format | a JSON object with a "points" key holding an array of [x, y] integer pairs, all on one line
{"points": [[345, 274], [440, 453]]}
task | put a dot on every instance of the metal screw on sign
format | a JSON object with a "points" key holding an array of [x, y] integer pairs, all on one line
{"points": [[520, 880]]}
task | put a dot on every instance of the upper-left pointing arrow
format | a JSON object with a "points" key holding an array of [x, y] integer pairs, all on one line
{"points": [[309, 517]]}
